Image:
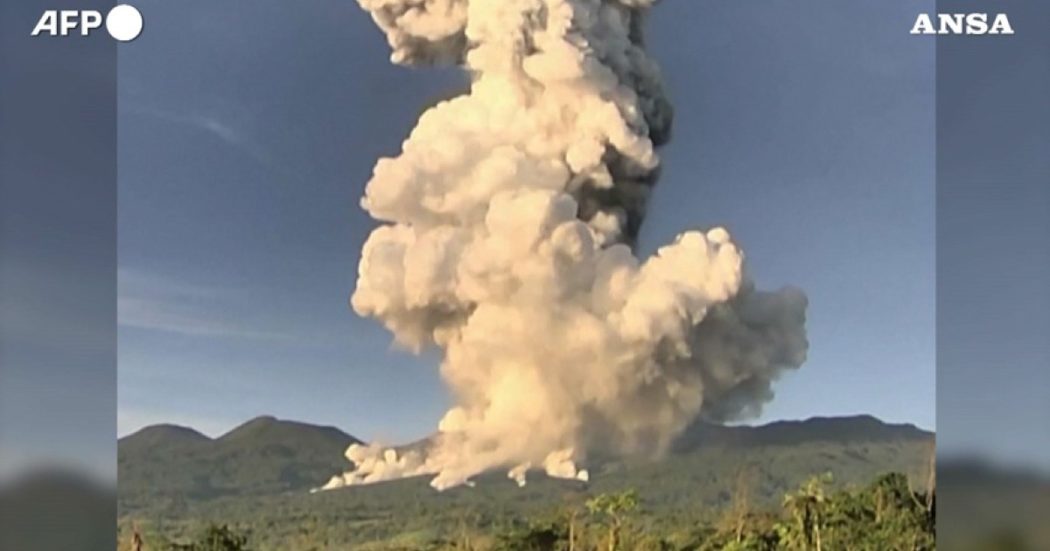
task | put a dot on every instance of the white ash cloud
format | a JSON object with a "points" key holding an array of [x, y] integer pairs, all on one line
{"points": [[509, 222]]}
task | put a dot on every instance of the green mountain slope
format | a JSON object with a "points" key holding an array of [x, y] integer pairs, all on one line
{"points": [[258, 475], [264, 456]]}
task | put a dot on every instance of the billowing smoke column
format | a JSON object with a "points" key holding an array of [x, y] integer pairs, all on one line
{"points": [[511, 215]]}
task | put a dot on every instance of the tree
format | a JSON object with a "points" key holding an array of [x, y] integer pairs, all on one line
{"points": [[886, 515], [806, 507], [613, 509], [735, 519]]}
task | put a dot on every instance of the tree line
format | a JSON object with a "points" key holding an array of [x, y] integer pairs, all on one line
{"points": [[888, 514]]}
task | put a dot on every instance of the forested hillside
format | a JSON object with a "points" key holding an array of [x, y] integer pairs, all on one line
{"points": [[175, 482]]}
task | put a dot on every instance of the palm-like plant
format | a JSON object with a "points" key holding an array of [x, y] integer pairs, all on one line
{"points": [[807, 510]]}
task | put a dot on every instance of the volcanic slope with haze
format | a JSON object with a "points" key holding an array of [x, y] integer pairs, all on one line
{"points": [[509, 220], [164, 465]]}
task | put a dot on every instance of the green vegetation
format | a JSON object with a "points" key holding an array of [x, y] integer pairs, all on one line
{"points": [[261, 457], [720, 488], [613, 510], [215, 538], [885, 515]]}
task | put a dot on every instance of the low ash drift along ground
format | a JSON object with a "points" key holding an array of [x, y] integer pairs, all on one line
{"points": [[509, 220]]}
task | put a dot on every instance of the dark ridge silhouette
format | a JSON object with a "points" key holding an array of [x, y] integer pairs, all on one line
{"points": [[842, 430], [270, 430]]}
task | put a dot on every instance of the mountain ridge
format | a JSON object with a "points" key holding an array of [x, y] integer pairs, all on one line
{"points": [[264, 455], [812, 425], [791, 432], [267, 455], [258, 421]]}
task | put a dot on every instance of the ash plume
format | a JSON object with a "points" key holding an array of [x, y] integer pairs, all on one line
{"points": [[509, 223]]}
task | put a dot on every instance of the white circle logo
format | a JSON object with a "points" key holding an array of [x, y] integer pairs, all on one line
{"points": [[124, 22]]}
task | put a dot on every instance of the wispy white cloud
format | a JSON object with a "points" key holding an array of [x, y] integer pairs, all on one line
{"points": [[156, 303], [159, 315], [222, 128]]}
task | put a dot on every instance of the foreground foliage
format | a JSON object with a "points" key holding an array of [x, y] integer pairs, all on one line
{"points": [[888, 514], [215, 538]]}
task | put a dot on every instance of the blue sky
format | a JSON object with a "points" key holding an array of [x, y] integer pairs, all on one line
{"points": [[246, 137]]}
